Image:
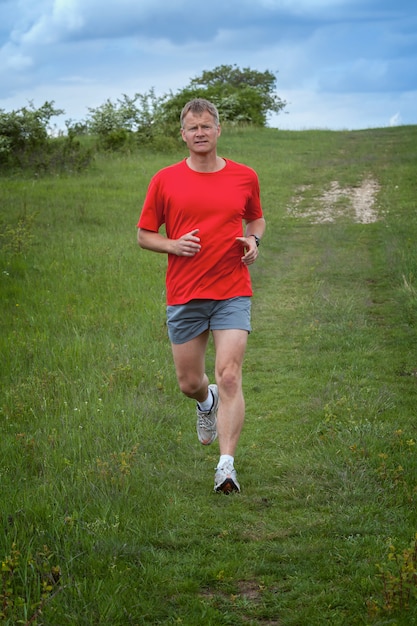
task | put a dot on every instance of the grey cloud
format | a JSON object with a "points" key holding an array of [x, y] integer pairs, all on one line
{"points": [[109, 47]]}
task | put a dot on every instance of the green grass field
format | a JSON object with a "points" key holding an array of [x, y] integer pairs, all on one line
{"points": [[108, 515]]}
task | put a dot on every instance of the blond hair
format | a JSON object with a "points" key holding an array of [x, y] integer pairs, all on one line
{"points": [[198, 106]]}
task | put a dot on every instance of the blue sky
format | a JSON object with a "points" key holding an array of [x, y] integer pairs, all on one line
{"points": [[340, 64]]}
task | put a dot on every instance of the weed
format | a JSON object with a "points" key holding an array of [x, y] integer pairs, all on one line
{"points": [[118, 466], [16, 238], [27, 585], [399, 581]]}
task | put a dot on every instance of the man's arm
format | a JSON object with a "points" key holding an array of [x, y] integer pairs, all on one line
{"points": [[186, 245], [255, 227]]}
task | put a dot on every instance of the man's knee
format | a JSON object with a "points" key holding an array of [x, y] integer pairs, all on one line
{"points": [[190, 386], [230, 380]]}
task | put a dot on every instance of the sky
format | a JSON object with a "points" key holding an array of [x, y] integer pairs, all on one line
{"points": [[339, 64]]}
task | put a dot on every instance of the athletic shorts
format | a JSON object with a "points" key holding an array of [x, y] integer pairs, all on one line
{"points": [[187, 321]]}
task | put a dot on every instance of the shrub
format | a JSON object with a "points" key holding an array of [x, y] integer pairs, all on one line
{"points": [[26, 143]]}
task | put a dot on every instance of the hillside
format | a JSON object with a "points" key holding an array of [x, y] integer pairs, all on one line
{"points": [[107, 508]]}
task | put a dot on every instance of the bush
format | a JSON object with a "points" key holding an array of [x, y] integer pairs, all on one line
{"points": [[125, 122], [26, 143]]}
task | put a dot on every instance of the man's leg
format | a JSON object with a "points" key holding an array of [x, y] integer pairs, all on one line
{"points": [[230, 348], [189, 361]]}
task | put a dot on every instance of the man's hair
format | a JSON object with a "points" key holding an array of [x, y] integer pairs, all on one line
{"points": [[198, 106]]}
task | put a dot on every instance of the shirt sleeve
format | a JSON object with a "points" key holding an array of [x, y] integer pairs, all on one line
{"points": [[152, 216], [253, 209]]}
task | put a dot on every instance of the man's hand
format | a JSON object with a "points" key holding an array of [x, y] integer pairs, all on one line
{"points": [[188, 244], [250, 248]]}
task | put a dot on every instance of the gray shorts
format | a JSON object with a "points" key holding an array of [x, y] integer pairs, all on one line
{"points": [[187, 321]]}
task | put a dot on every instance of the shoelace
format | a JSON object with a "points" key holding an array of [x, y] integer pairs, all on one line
{"points": [[205, 421]]}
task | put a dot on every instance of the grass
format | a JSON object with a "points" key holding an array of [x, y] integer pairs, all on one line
{"points": [[107, 510]]}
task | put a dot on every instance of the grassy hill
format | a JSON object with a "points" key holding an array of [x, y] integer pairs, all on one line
{"points": [[106, 502]]}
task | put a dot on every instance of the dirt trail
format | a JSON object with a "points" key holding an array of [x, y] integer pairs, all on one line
{"points": [[358, 203]]}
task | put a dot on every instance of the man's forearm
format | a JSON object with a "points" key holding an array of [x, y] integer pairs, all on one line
{"points": [[156, 242], [256, 227]]}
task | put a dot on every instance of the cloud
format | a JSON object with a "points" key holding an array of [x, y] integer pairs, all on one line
{"points": [[74, 20], [337, 111], [340, 50], [395, 120], [14, 59]]}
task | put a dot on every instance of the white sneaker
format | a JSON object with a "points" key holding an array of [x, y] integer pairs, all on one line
{"points": [[225, 479], [207, 420]]}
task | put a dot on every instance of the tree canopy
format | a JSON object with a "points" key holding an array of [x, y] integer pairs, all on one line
{"points": [[241, 95]]}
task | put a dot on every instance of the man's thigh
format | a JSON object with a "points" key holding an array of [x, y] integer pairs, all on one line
{"points": [[230, 348], [189, 357]]}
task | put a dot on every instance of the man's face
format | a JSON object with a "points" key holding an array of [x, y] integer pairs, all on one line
{"points": [[200, 132]]}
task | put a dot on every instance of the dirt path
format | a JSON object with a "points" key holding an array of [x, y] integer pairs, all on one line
{"points": [[358, 203]]}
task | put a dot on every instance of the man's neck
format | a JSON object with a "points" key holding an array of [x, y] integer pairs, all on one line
{"points": [[205, 163]]}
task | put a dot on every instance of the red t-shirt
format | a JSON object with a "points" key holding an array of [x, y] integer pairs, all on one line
{"points": [[216, 203]]}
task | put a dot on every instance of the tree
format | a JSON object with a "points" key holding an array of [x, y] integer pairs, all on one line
{"points": [[241, 95]]}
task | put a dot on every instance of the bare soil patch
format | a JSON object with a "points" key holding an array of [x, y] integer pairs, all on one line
{"points": [[356, 203], [248, 598]]}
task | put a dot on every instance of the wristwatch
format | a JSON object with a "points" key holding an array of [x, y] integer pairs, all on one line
{"points": [[257, 239]]}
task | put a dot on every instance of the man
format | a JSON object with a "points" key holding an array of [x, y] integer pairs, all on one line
{"points": [[203, 202]]}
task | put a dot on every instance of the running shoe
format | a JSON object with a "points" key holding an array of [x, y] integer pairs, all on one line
{"points": [[225, 479], [207, 420]]}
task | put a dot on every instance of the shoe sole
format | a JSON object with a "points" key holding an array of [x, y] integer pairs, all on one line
{"points": [[228, 486]]}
